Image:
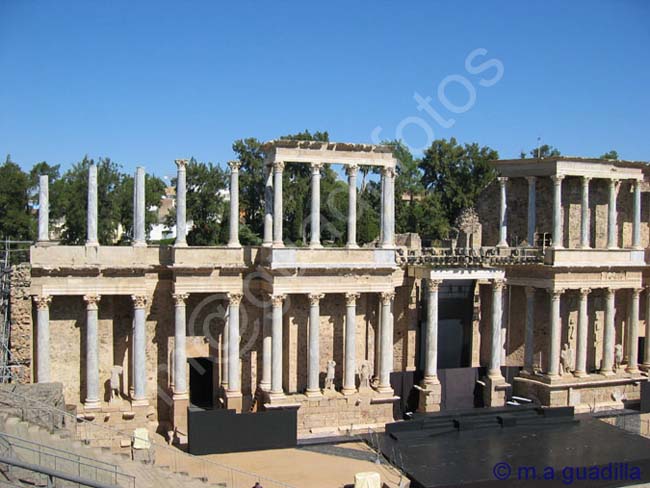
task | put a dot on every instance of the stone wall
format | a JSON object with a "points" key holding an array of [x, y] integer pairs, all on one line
{"points": [[20, 339]]}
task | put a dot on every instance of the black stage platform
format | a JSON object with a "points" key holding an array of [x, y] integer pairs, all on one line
{"points": [[515, 446]]}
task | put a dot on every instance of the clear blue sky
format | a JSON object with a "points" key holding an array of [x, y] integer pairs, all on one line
{"points": [[150, 81]]}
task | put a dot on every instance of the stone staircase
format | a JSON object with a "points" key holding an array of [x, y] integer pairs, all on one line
{"points": [[146, 475]]}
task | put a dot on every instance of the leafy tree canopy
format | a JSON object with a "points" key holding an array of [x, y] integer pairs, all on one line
{"points": [[610, 155]]}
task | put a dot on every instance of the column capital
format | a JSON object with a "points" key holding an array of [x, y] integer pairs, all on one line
{"points": [[499, 284], [92, 301], [387, 297], [530, 291], [315, 168], [181, 163], [43, 301], [234, 166], [277, 300], [610, 292], [555, 293], [351, 298], [235, 298], [502, 180], [180, 298], [315, 298], [351, 169], [433, 284], [139, 301], [278, 166], [585, 179], [584, 292], [531, 179], [388, 171], [636, 292], [557, 179]]}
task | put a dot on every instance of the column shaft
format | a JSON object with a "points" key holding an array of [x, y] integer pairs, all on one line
{"points": [[503, 219], [351, 171], [233, 241], [278, 168], [388, 214], [139, 234], [529, 339], [92, 352], [350, 367], [43, 338], [636, 230], [633, 340], [276, 330], [43, 208], [314, 240], [585, 219], [180, 352], [313, 384], [181, 199], [139, 350], [607, 364], [532, 204], [556, 334], [612, 240], [496, 345], [92, 207], [558, 234], [234, 377], [268, 207], [583, 333], [267, 348], [431, 358], [386, 365]]}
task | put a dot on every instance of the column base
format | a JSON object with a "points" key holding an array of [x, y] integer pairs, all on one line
{"points": [[580, 374], [348, 391], [179, 418], [234, 401], [430, 395], [266, 387], [315, 245], [352, 246], [278, 244], [502, 244], [139, 402], [234, 244], [385, 390], [92, 404], [139, 244], [92, 243], [494, 394], [607, 373], [632, 369], [180, 244], [313, 393]]}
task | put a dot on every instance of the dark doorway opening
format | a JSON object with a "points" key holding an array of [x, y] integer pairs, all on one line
{"points": [[201, 382]]}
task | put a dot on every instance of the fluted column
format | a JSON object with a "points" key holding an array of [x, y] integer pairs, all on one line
{"points": [[386, 365], [636, 230], [233, 241], [350, 367], [556, 333], [278, 168], [612, 240], [496, 345], [646, 352], [585, 219], [181, 203], [234, 376], [431, 357], [139, 350], [180, 351], [313, 384], [609, 334], [43, 338], [43, 209], [91, 239], [583, 333], [529, 337], [139, 233], [503, 217], [268, 207], [558, 227], [633, 340], [532, 203], [351, 170], [314, 240], [276, 331], [388, 214], [267, 348], [92, 352]]}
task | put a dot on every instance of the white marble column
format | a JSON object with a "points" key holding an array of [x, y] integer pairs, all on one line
{"points": [[633, 340], [378, 329], [225, 351], [612, 239], [139, 233], [267, 347], [583, 333], [351, 170], [350, 366], [646, 348], [276, 332], [585, 218], [181, 203], [503, 213], [314, 240], [609, 333], [386, 365], [388, 214], [233, 241], [529, 336], [91, 239], [431, 357], [555, 340], [139, 350], [496, 346], [636, 229], [92, 352], [43, 209], [278, 168], [532, 214], [234, 376], [43, 338], [313, 383], [180, 351], [558, 226], [268, 207]]}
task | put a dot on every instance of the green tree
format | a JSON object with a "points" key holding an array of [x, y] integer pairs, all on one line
{"points": [[610, 155], [154, 190], [544, 151], [16, 219]]}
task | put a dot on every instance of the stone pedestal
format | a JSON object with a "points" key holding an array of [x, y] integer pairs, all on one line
{"points": [[494, 393], [430, 396], [181, 402], [234, 401]]}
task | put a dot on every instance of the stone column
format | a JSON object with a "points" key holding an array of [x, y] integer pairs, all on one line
{"points": [[388, 215], [633, 340], [503, 219], [180, 351], [386, 365], [314, 240], [43, 209], [351, 170], [278, 168], [496, 345], [350, 367], [139, 350], [181, 198], [555, 339], [225, 348], [558, 234], [636, 230], [92, 352], [233, 240], [612, 240], [431, 357], [267, 348], [646, 354], [532, 203], [268, 207], [583, 333], [313, 384], [609, 334], [234, 376], [585, 220], [529, 339], [43, 338], [91, 239], [139, 234], [276, 331]]}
